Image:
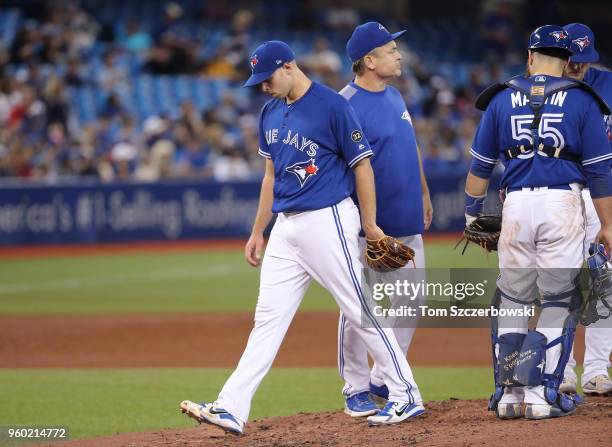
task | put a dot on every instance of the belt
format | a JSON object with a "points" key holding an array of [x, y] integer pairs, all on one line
{"points": [[539, 188], [291, 213]]}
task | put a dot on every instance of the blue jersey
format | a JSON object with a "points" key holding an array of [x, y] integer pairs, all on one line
{"points": [[388, 127], [601, 81], [571, 120], [313, 142]]}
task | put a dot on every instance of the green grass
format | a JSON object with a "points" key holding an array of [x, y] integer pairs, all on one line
{"points": [[99, 402], [172, 282]]}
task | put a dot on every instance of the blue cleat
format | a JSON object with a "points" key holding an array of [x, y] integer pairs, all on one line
{"points": [[359, 405], [379, 394]]}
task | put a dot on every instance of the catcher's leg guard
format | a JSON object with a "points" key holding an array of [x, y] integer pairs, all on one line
{"points": [[505, 352], [598, 305], [530, 370]]}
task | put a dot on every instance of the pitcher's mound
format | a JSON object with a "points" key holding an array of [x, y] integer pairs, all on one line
{"points": [[452, 422]]}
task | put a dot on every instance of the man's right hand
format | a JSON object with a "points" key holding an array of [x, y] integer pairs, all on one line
{"points": [[373, 232], [254, 249], [605, 237]]}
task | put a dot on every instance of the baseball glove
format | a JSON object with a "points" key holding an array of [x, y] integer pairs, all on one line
{"points": [[387, 254], [483, 231]]}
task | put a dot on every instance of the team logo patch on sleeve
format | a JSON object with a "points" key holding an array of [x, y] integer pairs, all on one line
{"points": [[303, 170], [356, 136]]}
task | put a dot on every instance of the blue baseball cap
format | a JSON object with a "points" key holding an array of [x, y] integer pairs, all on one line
{"points": [[550, 36], [366, 37], [266, 59], [583, 43]]}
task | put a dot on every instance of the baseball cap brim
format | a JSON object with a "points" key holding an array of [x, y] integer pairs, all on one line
{"points": [[258, 78], [592, 56], [356, 56], [388, 39], [398, 34]]}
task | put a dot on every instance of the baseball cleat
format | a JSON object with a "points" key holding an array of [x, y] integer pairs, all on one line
{"points": [[395, 412], [600, 385], [209, 413], [359, 405], [509, 411], [379, 394], [545, 411], [568, 385]]}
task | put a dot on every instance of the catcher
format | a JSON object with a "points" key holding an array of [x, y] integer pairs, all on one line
{"points": [[549, 132]]}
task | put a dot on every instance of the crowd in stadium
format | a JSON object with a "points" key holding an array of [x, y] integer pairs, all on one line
{"points": [[48, 60]]}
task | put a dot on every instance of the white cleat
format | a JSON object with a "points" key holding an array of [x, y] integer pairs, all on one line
{"points": [[598, 386], [396, 412], [509, 411], [545, 411], [211, 414], [568, 385]]}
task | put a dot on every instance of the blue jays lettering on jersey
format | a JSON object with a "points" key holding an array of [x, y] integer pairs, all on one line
{"points": [[388, 128], [601, 81], [313, 142], [571, 120]]}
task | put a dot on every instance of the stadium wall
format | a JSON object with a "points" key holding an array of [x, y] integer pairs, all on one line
{"points": [[171, 210]]}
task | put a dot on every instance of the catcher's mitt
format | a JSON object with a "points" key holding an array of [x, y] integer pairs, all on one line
{"points": [[387, 254], [483, 231]]}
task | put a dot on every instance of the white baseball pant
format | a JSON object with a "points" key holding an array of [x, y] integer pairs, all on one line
{"points": [[540, 247], [352, 351], [320, 244]]}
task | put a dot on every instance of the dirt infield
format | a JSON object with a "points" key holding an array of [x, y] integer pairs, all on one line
{"points": [[158, 340], [453, 422], [152, 340]]}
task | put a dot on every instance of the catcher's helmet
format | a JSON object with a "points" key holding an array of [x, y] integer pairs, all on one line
{"points": [[550, 36]]}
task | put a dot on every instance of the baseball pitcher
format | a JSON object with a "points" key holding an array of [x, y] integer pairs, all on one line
{"points": [[316, 156]]}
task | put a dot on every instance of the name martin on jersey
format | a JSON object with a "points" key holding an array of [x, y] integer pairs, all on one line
{"points": [[293, 139], [520, 99]]}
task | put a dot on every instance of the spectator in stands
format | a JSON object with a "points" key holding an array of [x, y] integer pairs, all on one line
{"points": [[56, 106], [220, 66], [112, 107], [111, 77], [215, 132], [230, 166], [27, 45], [322, 61], [498, 31], [73, 76], [236, 44], [28, 114], [135, 39]]}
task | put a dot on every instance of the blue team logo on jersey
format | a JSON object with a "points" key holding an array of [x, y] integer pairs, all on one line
{"points": [[303, 170], [581, 42], [559, 35]]}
